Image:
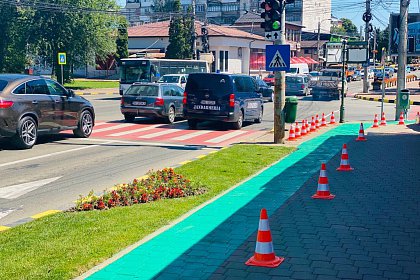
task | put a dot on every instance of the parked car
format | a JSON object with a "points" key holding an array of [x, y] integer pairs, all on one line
{"points": [[357, 76], [266, 90], [314, 75], [155, 100], [178, 79], [33, 105], [269, 79], [389, 72], [297, 85], [231, 98]]}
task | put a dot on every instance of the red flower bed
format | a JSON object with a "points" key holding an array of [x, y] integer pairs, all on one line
{"points": [[159, 184]]}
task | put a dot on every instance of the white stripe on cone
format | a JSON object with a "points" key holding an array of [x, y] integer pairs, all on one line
{"points": [[263, 225], [264, 248]]}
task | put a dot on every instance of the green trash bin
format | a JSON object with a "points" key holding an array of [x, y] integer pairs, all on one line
{"points": [[290, 109], [404, 99]]}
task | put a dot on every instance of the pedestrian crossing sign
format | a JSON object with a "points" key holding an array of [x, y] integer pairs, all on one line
{"points": [[277, 57], [62, 60]]}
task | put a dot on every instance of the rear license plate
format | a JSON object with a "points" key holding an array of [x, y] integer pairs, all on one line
{"points": [[139, 103]]}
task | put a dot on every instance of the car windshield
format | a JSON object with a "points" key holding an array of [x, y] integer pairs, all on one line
{"points": [[217, 85], [143, 90], [270, 76], [331, 74], [292, 71], [169, 79], [3, 84], [314, 74], [291, 79]]}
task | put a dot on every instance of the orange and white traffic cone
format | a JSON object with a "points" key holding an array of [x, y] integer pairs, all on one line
{"points": [[264, 252], [297, 131], [332, 118], [308, 128], [313, 126], [291, 133], [323, 191], [361, 136], [317, 123], [383, 119], [323, 122], [401, 120], [344, 163], [303, 129], [375, 122]]}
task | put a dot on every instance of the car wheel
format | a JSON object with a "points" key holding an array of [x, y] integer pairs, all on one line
{"points": [[192, 124], [238, 124], [260, 116], [171, 115], [26, 134], [129, 118], [85, 127]]}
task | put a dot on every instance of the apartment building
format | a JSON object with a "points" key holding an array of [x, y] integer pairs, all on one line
{"points": [[310, 13]]}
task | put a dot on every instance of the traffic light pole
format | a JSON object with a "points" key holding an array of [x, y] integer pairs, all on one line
{"points": [[280, 86]]}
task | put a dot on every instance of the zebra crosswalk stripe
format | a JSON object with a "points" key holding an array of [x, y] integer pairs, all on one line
{"points": [[225, 137], [191, 135], [134, 131], [160, 133], [123, 125]]}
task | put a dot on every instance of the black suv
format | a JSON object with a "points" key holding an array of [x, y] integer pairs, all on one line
{"points": [[229, 98], [30, 105]]}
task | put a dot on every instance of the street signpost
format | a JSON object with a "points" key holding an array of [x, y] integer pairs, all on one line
{"points": [[62, 60]]}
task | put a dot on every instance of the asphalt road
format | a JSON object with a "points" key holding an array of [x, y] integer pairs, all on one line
{"points": [[58, 169]]}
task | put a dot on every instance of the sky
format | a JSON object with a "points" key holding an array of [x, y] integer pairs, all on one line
{"points": [[354, 9]]}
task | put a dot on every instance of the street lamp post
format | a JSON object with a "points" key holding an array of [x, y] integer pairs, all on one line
{"points": [[343, 79]]}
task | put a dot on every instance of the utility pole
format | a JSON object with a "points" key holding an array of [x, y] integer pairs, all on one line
{"points": [[280, 85], [402, 53], [317, 41], [194, 37], [374, 49], [343, 80], [367, 16]]}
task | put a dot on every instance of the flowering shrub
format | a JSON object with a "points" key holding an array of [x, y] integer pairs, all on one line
{"points": [[157, 185]]}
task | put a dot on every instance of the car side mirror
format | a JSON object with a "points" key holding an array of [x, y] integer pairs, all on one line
{"points": [[71, 93]]}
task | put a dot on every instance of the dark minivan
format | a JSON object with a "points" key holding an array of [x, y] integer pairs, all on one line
{"points": [[232, 98]]}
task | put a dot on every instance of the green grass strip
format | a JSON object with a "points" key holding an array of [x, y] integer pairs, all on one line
{"points": [[64, 245], [82, 84]]}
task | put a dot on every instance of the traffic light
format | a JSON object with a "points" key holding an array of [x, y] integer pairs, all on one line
{"points": [[271, 15]]}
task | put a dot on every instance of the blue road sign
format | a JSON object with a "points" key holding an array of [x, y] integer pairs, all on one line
{"points": [[277, 57], [62, 58]]}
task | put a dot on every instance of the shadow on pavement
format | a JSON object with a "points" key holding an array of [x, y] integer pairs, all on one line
{"points": [[370, 230]]}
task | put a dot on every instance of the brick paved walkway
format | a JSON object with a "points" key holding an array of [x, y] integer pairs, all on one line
{"points": [[371, 230]]}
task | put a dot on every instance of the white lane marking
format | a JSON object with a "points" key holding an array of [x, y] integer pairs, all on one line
{"points": [[133, 131], [6, 212], [160, 133], [225, 137], [191, 135], [12, 192], [114, 127], [54, 154]]}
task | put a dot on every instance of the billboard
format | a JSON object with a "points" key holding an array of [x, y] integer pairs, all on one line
{"points": [[413, 44]]}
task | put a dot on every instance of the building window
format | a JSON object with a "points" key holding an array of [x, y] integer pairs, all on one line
{"points": [[223, 61], [226, 61]]}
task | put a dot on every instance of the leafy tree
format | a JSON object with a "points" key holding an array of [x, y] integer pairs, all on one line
{"points": [[178, 46], [12, 44], [122, 40], [382, 40], [189, 26], [347, 28]]}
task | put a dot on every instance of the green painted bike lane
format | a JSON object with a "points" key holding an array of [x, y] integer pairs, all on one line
{"points": [[199, 244]]}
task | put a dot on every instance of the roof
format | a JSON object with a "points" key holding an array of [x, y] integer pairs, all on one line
{"points": [[161, 29], [307, 60]]}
